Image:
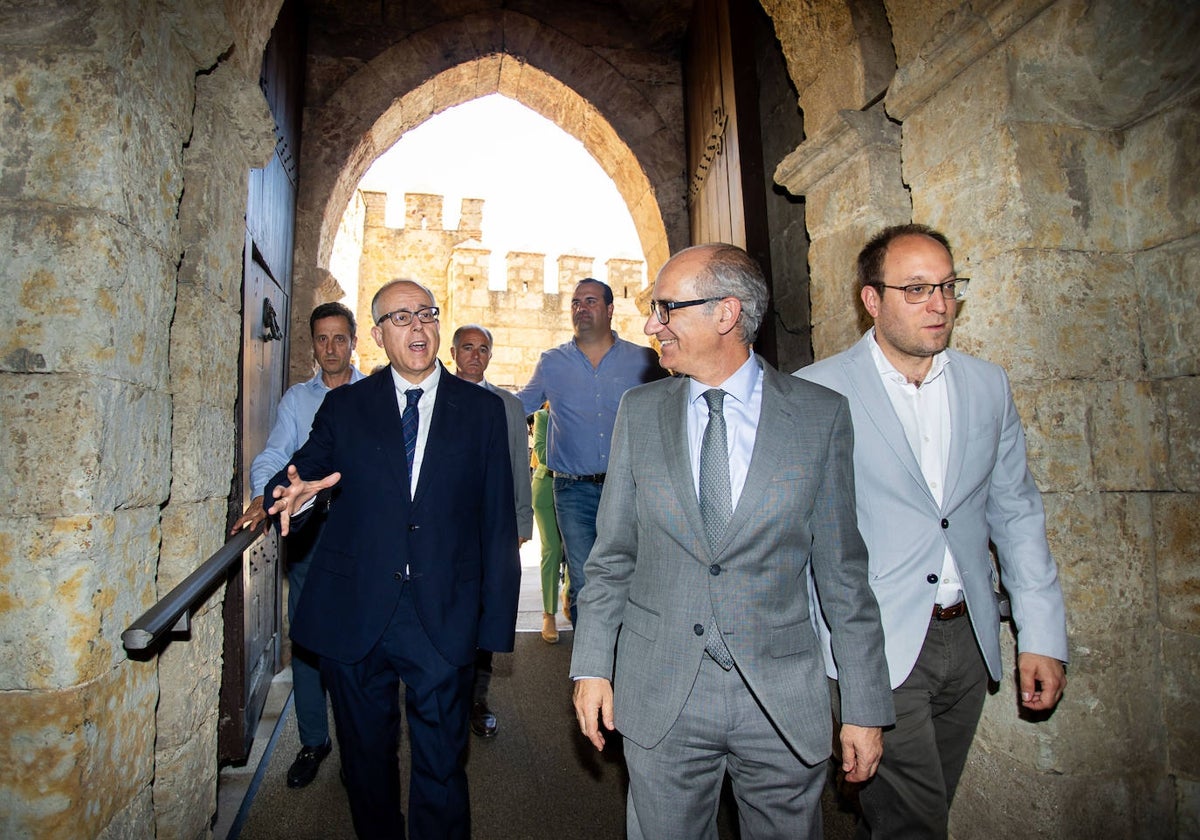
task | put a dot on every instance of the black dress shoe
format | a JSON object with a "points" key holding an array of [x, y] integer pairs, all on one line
{"points": [[304, 768], [483, 722]]}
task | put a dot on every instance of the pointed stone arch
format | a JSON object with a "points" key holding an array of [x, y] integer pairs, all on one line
{"points": [[449, 64]]}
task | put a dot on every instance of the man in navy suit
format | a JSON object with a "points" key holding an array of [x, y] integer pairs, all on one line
{"points": [[415, 569]]}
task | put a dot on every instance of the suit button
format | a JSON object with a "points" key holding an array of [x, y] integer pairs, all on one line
{"points": [[714, 569], [413, 527], [932, 578], [698, 629], [945, 523], [399, 576]]}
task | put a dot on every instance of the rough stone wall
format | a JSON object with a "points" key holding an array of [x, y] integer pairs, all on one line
{"points": [[115, 286], [1055, 144], [524, 320]]}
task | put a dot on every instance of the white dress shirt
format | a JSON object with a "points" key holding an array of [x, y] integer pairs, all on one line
{"points": [[428, 385]]}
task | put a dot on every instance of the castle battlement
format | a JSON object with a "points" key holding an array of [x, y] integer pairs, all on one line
{"points": [[457, 267]]}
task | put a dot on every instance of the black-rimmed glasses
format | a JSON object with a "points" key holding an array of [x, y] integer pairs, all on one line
{"points": [[403, 317], [955, 289], [662, 308]]}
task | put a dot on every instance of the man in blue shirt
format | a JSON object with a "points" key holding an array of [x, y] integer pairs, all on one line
{"points": [[584, 380], [333, 340]]}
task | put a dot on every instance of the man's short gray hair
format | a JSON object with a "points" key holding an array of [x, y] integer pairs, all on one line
{"points": [[731, 272]]}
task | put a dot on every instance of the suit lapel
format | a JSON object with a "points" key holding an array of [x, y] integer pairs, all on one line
{"points": [[672, 424], [776, 427], [441, 436], [386, 427], [865, 385], [960, 421]]}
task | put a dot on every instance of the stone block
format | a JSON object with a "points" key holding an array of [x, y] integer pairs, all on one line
{"points": [[1058, 437], [207, 333], [75, 759], [1099, 724], [1162, 162], [189, 678], [1187, 807], [191, 533], [1073, 186], [87, 296], [1103, 545], [78, 580], [202, 463], [57, 106], [1182, 397], [1129, 429], [1054, 315], [185, 785], [1181, 706], [80, 444], [1177, 555], [998, 797], [1168, 283], [134, 820]]}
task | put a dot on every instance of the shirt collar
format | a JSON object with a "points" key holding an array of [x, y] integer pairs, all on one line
{"points": [[888, 371], [427, 384], [739, 385]]}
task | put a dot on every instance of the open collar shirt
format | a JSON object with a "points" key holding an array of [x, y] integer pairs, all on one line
{"points": [[924, 412]]}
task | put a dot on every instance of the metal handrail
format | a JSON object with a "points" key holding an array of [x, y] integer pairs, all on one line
{"points": [[173, 611]]}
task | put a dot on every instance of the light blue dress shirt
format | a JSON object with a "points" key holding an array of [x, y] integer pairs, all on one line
{"points": [[584, 399], [293, 422]]}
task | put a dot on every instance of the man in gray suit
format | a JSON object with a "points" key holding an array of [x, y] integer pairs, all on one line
{"points": [[939, 466], [471, 352], [725, 487]]}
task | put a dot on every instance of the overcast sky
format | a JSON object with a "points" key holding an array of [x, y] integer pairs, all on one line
{"points": [[543, 192]]}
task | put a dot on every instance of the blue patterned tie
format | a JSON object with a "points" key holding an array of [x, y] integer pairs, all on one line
{"points": [[410, 421], [716, 501]]}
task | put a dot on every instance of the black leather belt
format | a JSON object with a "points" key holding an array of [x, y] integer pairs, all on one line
{"points": [[946, 613], [596, 478]]}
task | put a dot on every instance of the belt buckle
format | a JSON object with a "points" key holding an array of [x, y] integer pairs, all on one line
{"points": [[953, 611]]}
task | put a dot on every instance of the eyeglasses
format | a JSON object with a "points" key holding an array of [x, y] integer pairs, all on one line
{"points": [[402, 317], [662, 308], [955, 289]]}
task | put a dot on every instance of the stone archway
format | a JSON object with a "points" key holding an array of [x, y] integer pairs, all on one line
{"points": [[511, 54]]}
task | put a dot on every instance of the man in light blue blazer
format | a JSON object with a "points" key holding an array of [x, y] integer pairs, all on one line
{"points": [[940, 470], [727, 486]]}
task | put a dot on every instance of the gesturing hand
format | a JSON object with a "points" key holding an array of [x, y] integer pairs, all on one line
{"points": [[289, 500]]}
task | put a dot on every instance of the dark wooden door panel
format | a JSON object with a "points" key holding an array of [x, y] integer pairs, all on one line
{"points": [[253, 614]]}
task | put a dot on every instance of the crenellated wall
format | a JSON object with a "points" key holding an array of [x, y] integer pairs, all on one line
{"points": [[524, 319]]}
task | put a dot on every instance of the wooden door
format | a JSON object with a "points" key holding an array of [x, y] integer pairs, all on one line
{"points": [[253, 609], [726, 189]]}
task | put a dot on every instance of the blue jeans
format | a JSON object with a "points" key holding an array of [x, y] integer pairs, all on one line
{"points": [[575, 505], [309, 692]]}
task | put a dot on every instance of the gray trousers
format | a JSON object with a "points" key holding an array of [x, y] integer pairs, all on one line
{"points": [[675, 788], [937, 709]]}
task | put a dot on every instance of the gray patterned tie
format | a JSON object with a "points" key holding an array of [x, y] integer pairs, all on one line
{"points": [[716, 501]]}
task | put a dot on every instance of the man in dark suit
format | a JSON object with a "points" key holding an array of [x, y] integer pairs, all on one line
{"points": [[726, 487], [415, 569]]}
